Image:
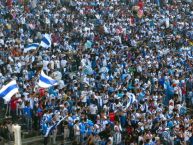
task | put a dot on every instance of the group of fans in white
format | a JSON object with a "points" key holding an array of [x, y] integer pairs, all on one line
{"points": [[111, 72]]}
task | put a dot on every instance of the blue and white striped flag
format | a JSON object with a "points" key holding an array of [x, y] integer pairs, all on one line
{"points": [[9, 90], [131, 100], [32, 46], [58, 123], [46, 41], [46, 81], [189, 54], [50, 129]]}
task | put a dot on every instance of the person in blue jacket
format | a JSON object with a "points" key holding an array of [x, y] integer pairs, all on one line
{"points": [[28, 116]]}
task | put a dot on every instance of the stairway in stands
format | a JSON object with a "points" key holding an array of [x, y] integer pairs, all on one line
{"points": [[39, 141], [2, 110]]}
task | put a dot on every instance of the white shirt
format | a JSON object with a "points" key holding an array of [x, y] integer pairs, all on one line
{"points": [[63, 63], [31, 101], [2, 41], [57, 63], [187, 135], [76, 129], [45, 64], [111, 139], [52, 64], [93, 109], [83, 96]]}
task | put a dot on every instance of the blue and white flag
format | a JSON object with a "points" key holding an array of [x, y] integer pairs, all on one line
{"points": [[189, 54], [46, 41], [9, 90], [62, 119], [131, 100], [46, 81], [50, 129], [47, 130], [32, 46]]}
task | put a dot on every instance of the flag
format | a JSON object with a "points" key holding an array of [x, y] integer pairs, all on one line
{"points": [[50, 129], [131, 100], [46, 41], [58, 123], [47, 130], [32, 46], [189, 54], [9, 90], [46, 81]]}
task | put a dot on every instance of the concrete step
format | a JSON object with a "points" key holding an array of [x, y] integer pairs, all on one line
{"points": [[38, 140]]}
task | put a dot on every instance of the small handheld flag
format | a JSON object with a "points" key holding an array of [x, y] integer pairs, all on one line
{"points": [[32, 46], [131, 100], [46, 41], [46, 81]]}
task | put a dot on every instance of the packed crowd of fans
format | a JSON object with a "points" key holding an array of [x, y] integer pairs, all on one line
{"points": [[124, 69]]}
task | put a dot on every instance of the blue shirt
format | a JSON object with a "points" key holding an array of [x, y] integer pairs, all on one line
{"points": [[82, 128], [191, 140], [27, 111], [44, 128]]}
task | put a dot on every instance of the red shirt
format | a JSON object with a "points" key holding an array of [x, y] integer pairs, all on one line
{"points": [[132, 21], [13, 104], [183, 89], [140, 4], [112, 117], [21, 1], [41, 92], [26, 8], [129, 130], [9, 3]]}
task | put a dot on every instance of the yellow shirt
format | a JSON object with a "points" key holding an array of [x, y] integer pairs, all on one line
{"points": [[8, 26]]}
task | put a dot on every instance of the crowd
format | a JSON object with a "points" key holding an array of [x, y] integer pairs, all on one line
{"points": [[123, 67]]}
